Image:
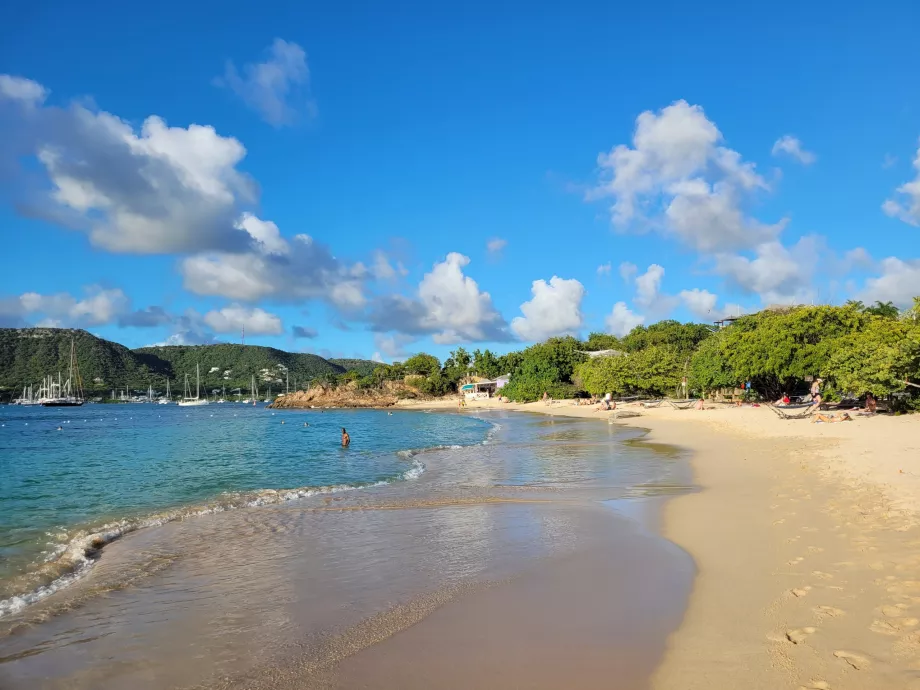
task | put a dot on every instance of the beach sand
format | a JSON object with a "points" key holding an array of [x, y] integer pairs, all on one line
{"points": [[807, 546]]}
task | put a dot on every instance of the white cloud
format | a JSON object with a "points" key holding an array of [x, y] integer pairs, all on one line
{"points": [[99, 306], [703, 305], [622, 319], [234, 318], [604, 269], [676, 165], [288, 271], [22, 90], [908, 208], [791, 146], [393, 345], [157, 190], [779, 275], [382, 269], [648, 285], [554, 310], [277, 88], [495, 245], [899, 282], [448, 304], [376, 357], [628, 270]]}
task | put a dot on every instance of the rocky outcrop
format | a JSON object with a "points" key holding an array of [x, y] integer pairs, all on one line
{"points": [[348, 395]]}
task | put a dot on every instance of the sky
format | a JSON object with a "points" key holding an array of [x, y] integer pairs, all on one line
{"points": [[375, 180]]}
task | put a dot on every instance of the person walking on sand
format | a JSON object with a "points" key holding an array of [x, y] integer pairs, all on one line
{"points": [[346, 439]]}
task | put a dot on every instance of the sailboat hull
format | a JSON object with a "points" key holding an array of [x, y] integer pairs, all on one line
{"points": [[192, 403], [62, 403]]}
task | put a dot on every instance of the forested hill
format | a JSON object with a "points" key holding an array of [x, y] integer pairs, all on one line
{"points": [[28, 354]]}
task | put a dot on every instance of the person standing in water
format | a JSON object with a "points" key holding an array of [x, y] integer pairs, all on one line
{"points": [[346, 439]]}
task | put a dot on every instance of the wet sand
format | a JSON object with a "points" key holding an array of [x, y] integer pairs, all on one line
{"points": [[532, 562], [807, 542]]}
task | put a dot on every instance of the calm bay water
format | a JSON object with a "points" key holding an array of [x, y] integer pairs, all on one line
{"points": [[112, 469]]}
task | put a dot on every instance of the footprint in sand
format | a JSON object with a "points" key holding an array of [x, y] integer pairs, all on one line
{"points": [[855, 660], [815, 685], [878, 565], [779, 522], [815, 549], [892, 611], [801, 591], [799, 635], [894, 626], [821, 575], [795, 561], [830, 611]]}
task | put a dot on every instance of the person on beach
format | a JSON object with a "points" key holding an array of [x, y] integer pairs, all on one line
{"points": [[816, 388], [871, 404], [346, 439], [831, 418]]}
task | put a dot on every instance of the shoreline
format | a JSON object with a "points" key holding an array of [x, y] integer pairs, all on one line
{"points": [[806, 542]]}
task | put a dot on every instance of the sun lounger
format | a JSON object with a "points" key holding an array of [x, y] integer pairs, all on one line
{"points": [[681, 404], [652, 403]]}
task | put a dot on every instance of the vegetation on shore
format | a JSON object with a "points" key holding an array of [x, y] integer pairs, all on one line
{"points": [[856, 350], [29, 354]]}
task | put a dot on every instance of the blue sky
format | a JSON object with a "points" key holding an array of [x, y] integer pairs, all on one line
{"points": [[177, 172]]}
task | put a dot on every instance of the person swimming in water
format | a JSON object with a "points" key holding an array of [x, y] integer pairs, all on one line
{"points": [[346, 439]]}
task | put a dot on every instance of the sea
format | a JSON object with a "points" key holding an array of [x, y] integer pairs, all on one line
{"points": [[126, 531]]}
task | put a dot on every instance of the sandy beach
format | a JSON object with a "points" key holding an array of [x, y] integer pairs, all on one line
{"points": [[806, 542]]}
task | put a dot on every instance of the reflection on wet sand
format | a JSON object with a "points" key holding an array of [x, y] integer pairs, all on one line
{"points": [[290, 595]]}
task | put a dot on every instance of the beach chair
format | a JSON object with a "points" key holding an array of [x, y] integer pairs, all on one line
{"points": [[800, 411], [681, 404], [652, 403]]}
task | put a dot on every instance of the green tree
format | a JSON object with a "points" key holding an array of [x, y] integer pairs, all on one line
{"points": [[709, 367], [884, 309], [875, 359], [602, 341], [486, 364], [545, 367], [422, 364]]}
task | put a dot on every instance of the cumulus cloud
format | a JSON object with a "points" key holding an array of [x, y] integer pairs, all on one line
{"points": [[278, 88], [392, 344], [303, 332], [22, 90], [899, 282], [648, 285], [792, 147], [236, 318], [677, 166], [779, 275], [97, 307], [555, 309], [622, 319], [382, 269], [448, 305], [288, 271], [160, 189], [906, 205], [604, 269], [704, 305], [628, 271]]}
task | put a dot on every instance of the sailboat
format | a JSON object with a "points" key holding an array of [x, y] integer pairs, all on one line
{"points": [[223, 394], [188, 400], [255, 392], [268, 397], [70, 394], [166, 400]]}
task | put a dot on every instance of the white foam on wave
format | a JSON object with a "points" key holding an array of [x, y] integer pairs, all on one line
{"points": [[73, 558]]}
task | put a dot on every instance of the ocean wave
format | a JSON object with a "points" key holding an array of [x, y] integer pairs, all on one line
{"points": [[69, 560]]}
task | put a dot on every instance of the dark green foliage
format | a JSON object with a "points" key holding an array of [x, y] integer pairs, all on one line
{"points": [[29, 354], [365, 367], [457, 366], [884, 309], [486, 364], [422, 365], [683, 337], [653, 371], [547, 367], [602, 341]]}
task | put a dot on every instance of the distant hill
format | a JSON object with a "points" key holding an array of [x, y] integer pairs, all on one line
{"points": [[28, 354]]}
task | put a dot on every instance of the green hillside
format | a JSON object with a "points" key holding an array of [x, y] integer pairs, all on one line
{"points": [[29, 354], [232, 366], [362, 366]]}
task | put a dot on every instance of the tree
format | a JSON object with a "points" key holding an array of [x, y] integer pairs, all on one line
{"points": [[875, 359], [684, 337], [602, 341], [654, 371], [486, 364], [545, 367], [709, 367], [884, 309], [422, 365], [457, 366]]}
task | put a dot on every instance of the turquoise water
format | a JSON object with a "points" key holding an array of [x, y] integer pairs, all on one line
{"points": [[113, 469]]}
